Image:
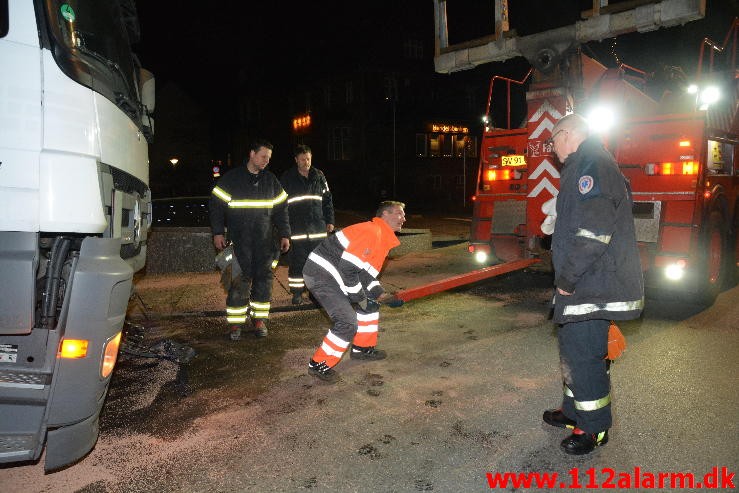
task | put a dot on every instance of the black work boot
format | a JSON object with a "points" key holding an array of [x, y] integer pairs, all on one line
{"points": [[556, 417], [260, 328], [297, 298], [367, 353], [322, 371], [581, 443], [235, 333]]}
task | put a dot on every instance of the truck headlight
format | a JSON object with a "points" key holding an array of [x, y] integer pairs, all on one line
{"points": [[675, 271]]}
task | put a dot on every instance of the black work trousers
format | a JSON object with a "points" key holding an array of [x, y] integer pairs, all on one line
{"points": [[583, 347], [299, 251]]}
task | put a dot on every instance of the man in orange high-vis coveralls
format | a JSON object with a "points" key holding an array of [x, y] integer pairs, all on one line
{"points": [[341, 273]]}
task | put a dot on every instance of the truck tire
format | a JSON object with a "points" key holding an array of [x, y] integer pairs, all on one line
{"points": [[714, 272]]}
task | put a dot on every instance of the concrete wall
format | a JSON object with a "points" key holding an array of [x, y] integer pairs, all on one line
{"points": [[191, 249], [180, 250]]}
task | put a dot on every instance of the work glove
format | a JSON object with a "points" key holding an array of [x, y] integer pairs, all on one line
{"points": [[369, 305], [391, 300]]}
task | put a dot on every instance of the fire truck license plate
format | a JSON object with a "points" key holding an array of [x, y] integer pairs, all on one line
{"points": [[514, 160]]}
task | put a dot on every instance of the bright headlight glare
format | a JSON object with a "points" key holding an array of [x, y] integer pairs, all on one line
{"points": [[709, 95], [601, 119], [481, 257], [675, 272]]}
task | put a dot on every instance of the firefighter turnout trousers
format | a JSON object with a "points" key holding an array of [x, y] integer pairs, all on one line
{"points": [[350, 325], [251, 292], [587, 387], [300, 248]]}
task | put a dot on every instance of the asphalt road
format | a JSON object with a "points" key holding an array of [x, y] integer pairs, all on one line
{"points": [[461, 394]]}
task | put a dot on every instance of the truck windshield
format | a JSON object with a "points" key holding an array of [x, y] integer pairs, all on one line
{"points": [[90, 43]]}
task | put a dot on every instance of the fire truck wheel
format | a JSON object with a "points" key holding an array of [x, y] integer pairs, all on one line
{"points": [[714, 268]]}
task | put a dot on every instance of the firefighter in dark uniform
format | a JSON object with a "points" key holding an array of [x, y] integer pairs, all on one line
{"points": [[311, 215], [250, 201], [598, 278]]}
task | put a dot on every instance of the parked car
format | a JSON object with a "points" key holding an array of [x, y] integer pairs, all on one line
{"points": [[181, 212]]}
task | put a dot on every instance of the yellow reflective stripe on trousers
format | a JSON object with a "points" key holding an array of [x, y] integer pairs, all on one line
{"points": [[303, 197], [613, 306], [587, 405], [584, 233], [236, 310]]}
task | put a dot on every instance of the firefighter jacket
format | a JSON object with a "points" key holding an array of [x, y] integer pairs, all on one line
{"points": [[310, 204], [250, 205], [594, 249], [354, 257]]}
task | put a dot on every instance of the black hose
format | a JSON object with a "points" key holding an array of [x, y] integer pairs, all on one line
{"points": [[58, 255]]}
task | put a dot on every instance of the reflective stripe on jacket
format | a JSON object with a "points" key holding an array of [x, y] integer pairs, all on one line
{"points": [[310, 203], [354, 257]]}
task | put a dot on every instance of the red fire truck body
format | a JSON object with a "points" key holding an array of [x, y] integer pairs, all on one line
{"points": [[679, 156]]}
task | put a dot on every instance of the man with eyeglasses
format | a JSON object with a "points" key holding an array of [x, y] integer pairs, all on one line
{"points": [[598, 278]]}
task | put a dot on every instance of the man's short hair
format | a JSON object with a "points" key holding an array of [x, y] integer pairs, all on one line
{"points": [[387, 205], [259, 143], [572, 123], [302, 149]]}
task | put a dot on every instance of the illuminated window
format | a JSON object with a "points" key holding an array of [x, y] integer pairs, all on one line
{"points": [[434, 145]]}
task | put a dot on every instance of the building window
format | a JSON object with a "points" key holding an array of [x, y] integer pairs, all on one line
{"points": [[391, 88], [446, 145], [421, 150], [339, 144], [349, 92], [413, 49], [434, 145], [435, 182], [459, 180], [327, 96]]}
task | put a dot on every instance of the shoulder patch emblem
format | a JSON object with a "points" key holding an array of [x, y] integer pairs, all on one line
{"points": [[585, 184]]}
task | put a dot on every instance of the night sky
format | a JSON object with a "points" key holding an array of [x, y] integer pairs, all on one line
{"points": [[201, 46]]}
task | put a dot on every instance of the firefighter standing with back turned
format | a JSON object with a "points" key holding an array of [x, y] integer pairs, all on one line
{"points": [[311, 215], [251, 202], [343, 271], [598, 278]]}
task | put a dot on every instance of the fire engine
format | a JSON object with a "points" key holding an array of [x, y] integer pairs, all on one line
{"points": [[679, 152], [75, 120]]}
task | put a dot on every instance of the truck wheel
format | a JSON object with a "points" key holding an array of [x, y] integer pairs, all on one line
{"points": [[714, 271]]}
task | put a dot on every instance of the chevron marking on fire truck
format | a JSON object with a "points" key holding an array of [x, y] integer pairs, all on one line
{"points": [[546, 107], [545, 165], [546, 124], [544, 183]]}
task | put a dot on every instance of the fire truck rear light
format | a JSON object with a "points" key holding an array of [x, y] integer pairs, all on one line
{"points": [[707, 194], [690, 168], [481, 257], [684, 143], [499, 174], [666, 169], [110, 354], [73, 348]]}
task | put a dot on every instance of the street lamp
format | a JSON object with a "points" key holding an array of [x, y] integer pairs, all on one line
{"points": [[174, 161]]}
